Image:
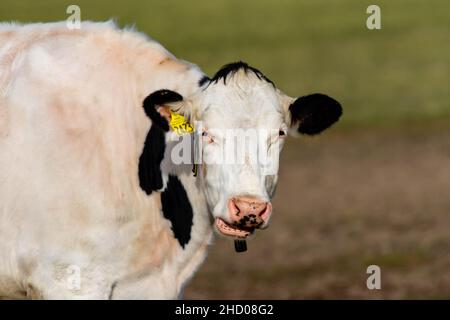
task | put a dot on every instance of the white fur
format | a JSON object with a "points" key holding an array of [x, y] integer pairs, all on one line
{"points": [[72, 128], [243, 102]]}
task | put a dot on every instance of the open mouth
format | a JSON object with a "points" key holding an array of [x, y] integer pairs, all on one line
{"points": [[235, 231], [245, 216]]}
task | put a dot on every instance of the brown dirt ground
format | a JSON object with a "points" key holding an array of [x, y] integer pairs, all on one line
{"points": [[347, 200]]}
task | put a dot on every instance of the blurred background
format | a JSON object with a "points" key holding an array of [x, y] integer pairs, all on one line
{"points": [[374, 189]]}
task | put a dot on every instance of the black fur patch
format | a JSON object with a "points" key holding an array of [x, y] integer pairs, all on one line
{"points": [[159, 98], [177, 208], [231, 68], [314, 113], [203, 80], [150, 176]]}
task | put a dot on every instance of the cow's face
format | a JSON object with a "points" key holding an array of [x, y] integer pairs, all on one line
{"points": [[243, 120]]}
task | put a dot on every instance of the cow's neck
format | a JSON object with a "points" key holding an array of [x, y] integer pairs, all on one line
{"points": [[173, 188]]}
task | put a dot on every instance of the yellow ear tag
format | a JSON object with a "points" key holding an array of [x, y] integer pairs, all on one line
{"points": [[179, 124]]}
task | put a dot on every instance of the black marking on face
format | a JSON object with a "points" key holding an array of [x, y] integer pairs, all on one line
{"points": [[177, 208], [231, 68], [203, 81], [314, 113], [150, 176], [249, 223]]}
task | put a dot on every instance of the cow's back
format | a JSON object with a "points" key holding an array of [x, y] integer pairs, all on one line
{"points": [[71, 132]]}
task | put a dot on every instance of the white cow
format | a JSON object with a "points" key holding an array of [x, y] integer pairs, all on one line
{"points": [[91, 204]]}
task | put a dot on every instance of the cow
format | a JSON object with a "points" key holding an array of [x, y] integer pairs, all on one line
{"points": [[92, 205]]}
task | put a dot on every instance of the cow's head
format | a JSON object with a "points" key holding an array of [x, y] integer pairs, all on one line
{"points": [[241, 116]]}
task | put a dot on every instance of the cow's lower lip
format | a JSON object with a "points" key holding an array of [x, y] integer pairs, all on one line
{"points": [[228, 230]]}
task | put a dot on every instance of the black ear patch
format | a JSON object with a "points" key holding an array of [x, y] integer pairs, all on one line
{"points": [[177, 208], [150, 176], [314, 113], [158, 98], [203, 81]]}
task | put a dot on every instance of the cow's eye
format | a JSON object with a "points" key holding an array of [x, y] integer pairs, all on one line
{"points": [[282, 133], [207, 137]]}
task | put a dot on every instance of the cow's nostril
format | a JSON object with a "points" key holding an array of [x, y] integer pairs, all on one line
{"points": [[262, 210], [248, 212], [234, 207]]}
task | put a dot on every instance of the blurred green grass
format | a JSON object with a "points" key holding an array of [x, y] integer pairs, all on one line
{"points": [[398, 75]]}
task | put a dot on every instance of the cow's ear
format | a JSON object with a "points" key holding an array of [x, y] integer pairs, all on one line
{"points": [[314, 113], [159, 105]]}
